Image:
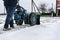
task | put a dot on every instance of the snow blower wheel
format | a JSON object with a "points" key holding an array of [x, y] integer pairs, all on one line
{"points": [[19, 22], [32, 19]]}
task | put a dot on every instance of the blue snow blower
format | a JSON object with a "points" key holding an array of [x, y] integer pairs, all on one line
{"points": [[21, 15]]}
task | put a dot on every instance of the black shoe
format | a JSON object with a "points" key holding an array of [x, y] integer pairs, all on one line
{"points": [[6, 29], [12, 27]]}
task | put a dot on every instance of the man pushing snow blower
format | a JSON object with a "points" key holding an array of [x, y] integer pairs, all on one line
{"points": [[19, 16]]}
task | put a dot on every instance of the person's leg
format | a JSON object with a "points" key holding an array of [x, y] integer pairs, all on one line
{"points": [[9, 17], [11, 24], [11, 21]]}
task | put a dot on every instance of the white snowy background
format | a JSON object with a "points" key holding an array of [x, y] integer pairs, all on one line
{"points": [[27, 4], [49, 29]]}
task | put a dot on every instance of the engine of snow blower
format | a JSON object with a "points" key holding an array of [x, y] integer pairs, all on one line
{"points": [[21, 15]]}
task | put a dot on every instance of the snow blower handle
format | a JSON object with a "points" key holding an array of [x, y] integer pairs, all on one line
{"points": [[18, 2]]}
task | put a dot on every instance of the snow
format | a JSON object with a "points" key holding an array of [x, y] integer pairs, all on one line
{"points": [[49, 29]]}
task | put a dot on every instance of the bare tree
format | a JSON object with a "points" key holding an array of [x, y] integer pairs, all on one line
{"points": [[51, 10], [42, 7]]}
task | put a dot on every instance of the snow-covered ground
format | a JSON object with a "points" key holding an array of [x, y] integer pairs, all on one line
{"points": [[49, 29]]}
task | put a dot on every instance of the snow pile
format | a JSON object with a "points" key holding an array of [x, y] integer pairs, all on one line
{"points": [[48, 30]]}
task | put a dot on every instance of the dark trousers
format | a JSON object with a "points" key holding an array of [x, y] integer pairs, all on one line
{"points": [[9, 17]]}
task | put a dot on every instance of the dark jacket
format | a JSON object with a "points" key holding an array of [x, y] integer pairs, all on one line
{"points": [[10, 3]]}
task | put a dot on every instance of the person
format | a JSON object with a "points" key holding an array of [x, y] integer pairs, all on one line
{"points": [[10, 8]]}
